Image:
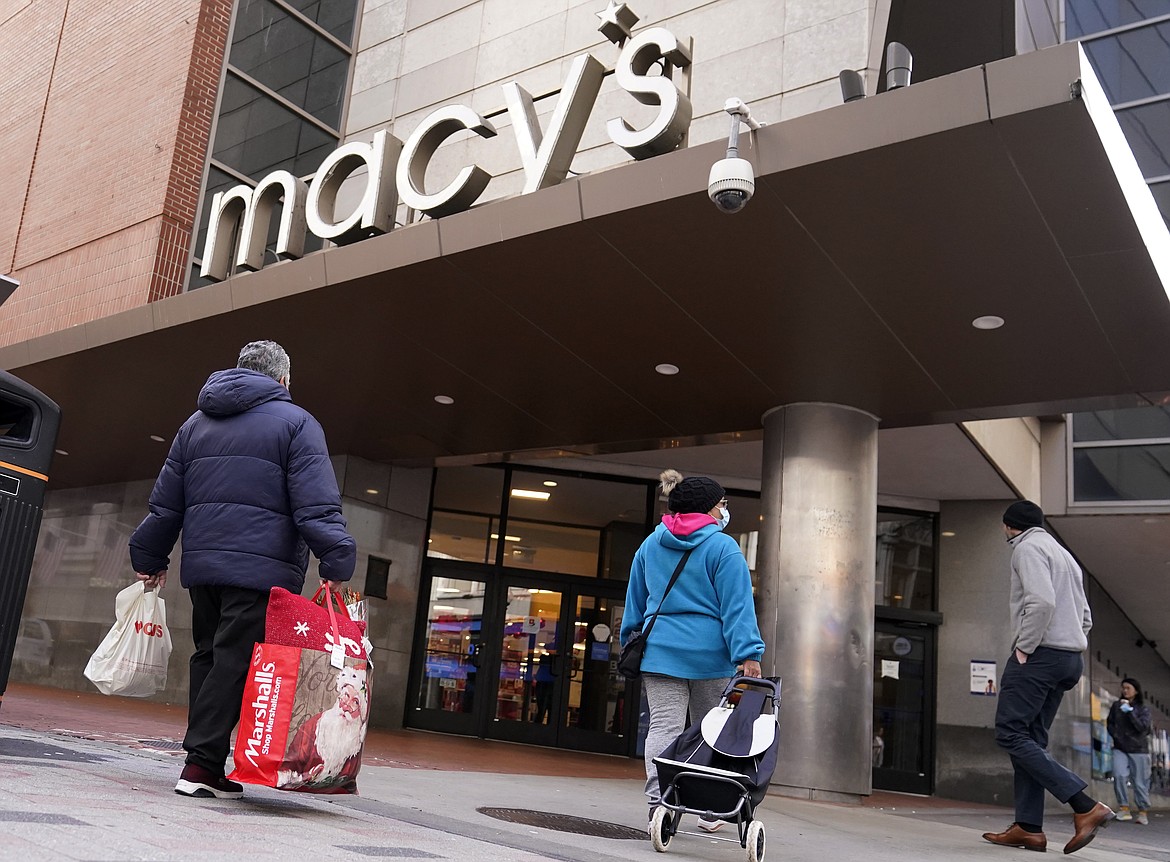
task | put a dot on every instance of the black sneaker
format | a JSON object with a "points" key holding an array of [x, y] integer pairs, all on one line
{"points": [[205, 784]]}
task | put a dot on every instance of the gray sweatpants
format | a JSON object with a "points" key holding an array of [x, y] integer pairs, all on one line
{"points": [[670, 698]]}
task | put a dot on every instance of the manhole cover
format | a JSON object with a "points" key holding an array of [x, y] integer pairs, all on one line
{"points": [[564, 823]]}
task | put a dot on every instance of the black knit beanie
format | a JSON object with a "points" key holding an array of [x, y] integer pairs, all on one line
{"points": [[694, 494], [1023, 515]]}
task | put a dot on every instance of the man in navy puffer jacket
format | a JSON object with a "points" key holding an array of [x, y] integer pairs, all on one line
{"points": [[249, 483]]}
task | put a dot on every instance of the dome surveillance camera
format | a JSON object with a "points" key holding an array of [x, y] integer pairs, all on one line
{"points": [[731, 184]]}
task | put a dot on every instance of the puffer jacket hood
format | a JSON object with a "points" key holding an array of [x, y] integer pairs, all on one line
{"points": [[235, 390]]}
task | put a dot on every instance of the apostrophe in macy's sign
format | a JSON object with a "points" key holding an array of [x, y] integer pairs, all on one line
{"points": [[396, 170]]}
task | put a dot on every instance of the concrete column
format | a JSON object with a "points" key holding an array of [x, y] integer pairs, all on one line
{"points": [[819, 496]]}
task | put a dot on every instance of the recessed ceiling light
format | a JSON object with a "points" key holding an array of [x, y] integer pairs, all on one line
{"points": [[530, 495], [988, 321], [947, 533], [60, 451], [444, 399], [371, 490], [549, 483], [157, 439], [506, 538], [666, 368]]}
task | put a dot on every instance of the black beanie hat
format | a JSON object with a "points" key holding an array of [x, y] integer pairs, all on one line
{"points": [[694, 494], [1023, 515]]}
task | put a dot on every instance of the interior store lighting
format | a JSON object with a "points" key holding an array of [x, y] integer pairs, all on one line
{"points": [[506, 538], [530, 495]]}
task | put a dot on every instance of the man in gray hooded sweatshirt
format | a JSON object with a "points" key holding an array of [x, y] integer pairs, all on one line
{"points": [[1051, 622]]}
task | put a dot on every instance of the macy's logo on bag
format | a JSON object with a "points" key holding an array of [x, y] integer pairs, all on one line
{"points": [[151, 630]]}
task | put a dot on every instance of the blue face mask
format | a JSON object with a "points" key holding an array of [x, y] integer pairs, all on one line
{"points": [[725, 520]]}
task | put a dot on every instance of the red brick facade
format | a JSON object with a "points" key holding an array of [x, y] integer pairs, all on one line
{"points": [[109, 114]]}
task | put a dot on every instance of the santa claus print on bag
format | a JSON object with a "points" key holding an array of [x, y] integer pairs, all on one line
{"points": [[304, 722], [326, 750]]}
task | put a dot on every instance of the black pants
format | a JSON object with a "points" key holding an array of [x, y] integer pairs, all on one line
{"points": [[1029, 696], [225, 623]]}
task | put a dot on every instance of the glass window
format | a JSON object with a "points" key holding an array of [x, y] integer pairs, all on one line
{"points": [[1083, 17], [1134, 64], [465, 516], [1162, 196], [462, 536], [291, 59], [1135, 423], [573, 524], [904, 576], [453, 627], [1147, 128], [257, 136], [333, 16], [1121, 473]]}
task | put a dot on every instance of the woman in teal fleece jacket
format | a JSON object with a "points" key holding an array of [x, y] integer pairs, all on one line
{"points": [[707, 624]]}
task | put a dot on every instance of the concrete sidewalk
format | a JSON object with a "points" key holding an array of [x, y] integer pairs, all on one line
{"points": [[79, 792]]}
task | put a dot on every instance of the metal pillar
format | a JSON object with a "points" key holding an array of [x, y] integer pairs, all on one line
{"points": [[819, 495]]}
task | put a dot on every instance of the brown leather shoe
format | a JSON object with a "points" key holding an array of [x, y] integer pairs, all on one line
{"points": [[1087, 824], [1014, 836]]}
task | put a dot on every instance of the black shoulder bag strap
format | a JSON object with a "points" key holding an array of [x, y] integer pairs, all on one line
{"points": [[677, 571]]}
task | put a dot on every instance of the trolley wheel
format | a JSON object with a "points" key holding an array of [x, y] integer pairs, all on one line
{"points": [[756, 841], [660, 831]]}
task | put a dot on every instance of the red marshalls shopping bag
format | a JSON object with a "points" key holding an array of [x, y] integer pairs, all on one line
{"points": [[303, 721]]}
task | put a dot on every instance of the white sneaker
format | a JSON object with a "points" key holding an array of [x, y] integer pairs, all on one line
{"points": [[1123, 814], [1142, 819], [709, 825]]}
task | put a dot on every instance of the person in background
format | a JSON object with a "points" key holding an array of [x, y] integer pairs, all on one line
{"points": [[1130, 724], [705, 627], [249, 483], [1051, 622]]}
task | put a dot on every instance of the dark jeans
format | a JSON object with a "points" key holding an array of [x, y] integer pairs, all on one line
{"points": [[225, 623], [1029, 696]]}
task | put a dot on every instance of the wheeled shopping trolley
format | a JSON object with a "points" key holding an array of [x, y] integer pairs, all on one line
{"points": [[719, 768]]}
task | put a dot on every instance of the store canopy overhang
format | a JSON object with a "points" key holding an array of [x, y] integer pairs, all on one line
{"points": [[879, 230]]}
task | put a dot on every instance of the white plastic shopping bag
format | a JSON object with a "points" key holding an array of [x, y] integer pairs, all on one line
{"points": [[132, 659]]}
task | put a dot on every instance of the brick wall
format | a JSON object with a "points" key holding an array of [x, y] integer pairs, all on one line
{"points": [[111, 108]]}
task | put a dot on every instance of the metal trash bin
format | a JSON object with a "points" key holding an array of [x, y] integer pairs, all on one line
{"points": [[28, 432]]}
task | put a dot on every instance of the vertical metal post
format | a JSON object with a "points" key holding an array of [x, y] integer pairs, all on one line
{"points": [[817, 548]]}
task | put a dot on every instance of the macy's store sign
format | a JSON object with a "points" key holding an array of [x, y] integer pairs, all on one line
{"points": [[395, 170]]}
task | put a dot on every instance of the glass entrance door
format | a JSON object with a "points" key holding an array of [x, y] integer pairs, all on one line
{"points": [[903, 707], [530, 669], [556, 681], [596, 716]]}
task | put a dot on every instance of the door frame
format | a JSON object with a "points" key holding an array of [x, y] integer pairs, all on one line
{"points": [[481, 722], [897, 780]]}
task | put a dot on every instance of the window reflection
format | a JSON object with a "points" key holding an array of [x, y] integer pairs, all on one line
{"points": [[904, 576], [1136, 423], [1147, 128], [289, 58], [1121, 473], [454, 621], [1085, 17], [1133, 65], [462, 536]]}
